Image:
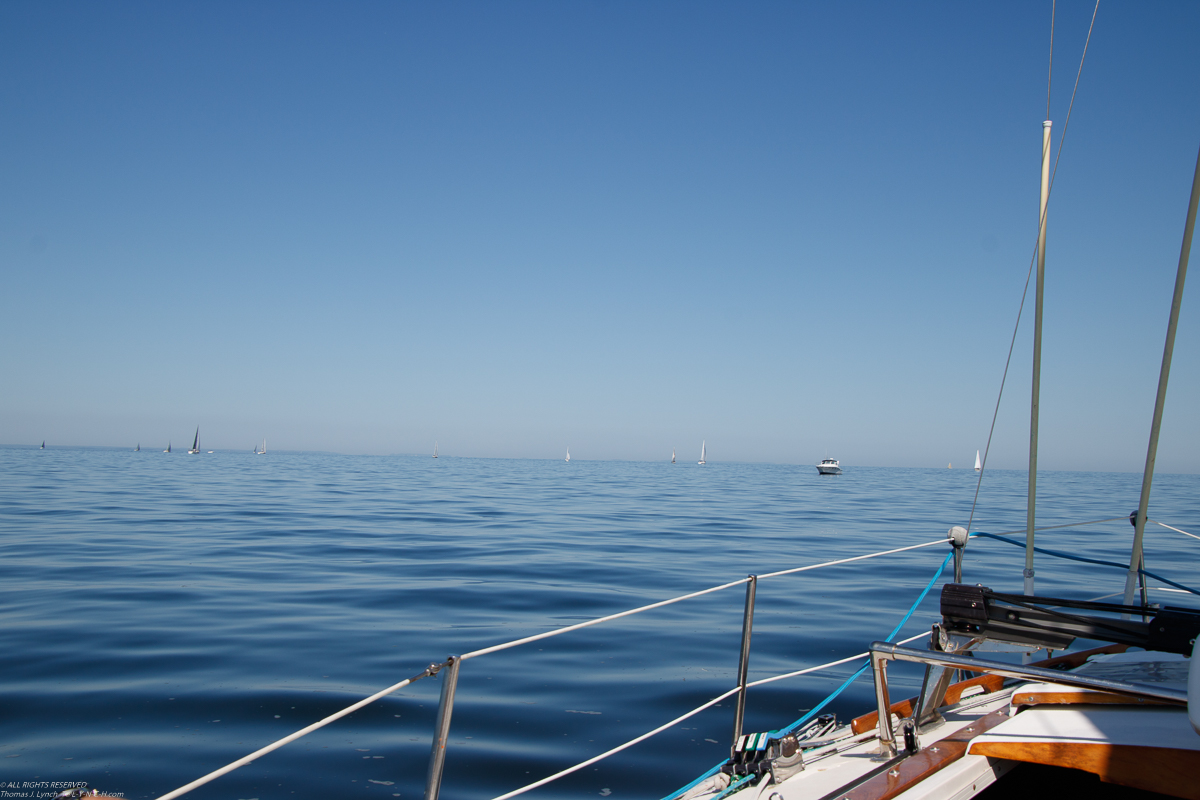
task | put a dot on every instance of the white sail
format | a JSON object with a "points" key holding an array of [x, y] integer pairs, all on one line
{"points": [[568, 454], [435, 449], [978, 463], [672, 455], [702, 444]]}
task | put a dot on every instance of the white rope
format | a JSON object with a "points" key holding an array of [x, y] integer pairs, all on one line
{"points": [[1168, 527], [830, 664], [794, 570], [660, 604], [241, 762], [618, 748], [597, 621]]}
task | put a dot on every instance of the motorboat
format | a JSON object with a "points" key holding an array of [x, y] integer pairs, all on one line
{"points": [[829, 466]]}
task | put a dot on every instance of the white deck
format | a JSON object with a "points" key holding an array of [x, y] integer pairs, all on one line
{"points": [[829, 770], [1138, 726]]}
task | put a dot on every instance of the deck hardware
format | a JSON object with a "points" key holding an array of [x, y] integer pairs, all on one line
{"points": [[958, 540], [894, 773], [1055, 623], [908, 730], [759, 754], [437, 755], [887, 739], [744, 659]]}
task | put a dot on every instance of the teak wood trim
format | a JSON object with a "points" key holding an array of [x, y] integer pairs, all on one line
{"points": [[915, 768], [904, 708], [1156, 769], [1092, 698], [1072, 660]]}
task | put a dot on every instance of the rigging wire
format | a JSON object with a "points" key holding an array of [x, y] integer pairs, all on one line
{"points": [[1168, 527], [1072, 557], [1033, 258]]}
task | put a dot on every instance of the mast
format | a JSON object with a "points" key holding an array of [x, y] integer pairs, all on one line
{"points": [[1037, 360], [1135, 557]]}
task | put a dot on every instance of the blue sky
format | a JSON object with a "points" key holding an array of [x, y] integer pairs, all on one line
{"points": [[789, 229]]}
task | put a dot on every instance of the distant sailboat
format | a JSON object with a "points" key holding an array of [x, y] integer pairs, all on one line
{"points": [[195, 443], [702, 443], [672, 455], [978, 464], [43, 447], [138, 449], [263, 452], [568, 454], [435, 449], [168, 447]]}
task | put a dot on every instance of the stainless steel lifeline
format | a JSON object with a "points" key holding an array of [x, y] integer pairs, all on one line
{"points": [[883, 652]]}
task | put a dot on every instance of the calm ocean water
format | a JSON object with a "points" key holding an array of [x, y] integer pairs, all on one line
{"points": [[162, 615]]}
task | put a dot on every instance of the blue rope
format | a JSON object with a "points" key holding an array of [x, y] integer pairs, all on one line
{"points": [[812, 712], [1070, 557]]}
